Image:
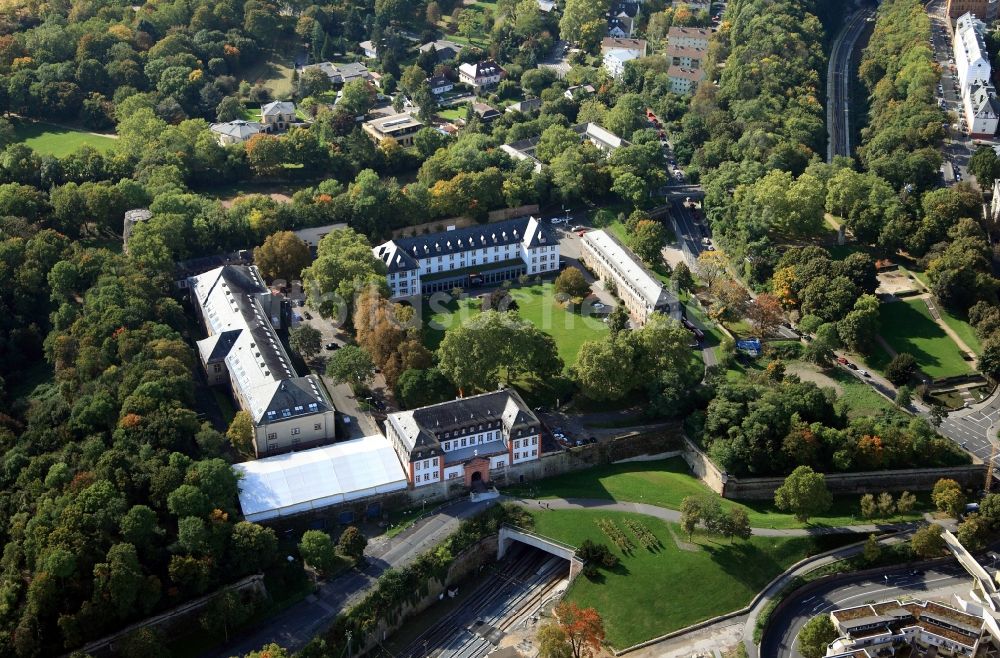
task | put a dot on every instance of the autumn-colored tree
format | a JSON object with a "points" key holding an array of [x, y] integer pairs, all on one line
{"points": [[783, 286], [572, 284], [282, 256], [731, 298], [764, 314], [265, 153], [240, 433], [583, 627], [870, 452], [710, 266], [383, 330]]}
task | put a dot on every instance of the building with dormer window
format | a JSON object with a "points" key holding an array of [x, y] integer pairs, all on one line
{"points": [[468, 257], [243, 349], [481, 75], [465, 439]]}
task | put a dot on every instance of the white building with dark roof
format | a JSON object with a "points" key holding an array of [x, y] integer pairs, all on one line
{"points": [[615, 52], [972, 62], [440, 84], [243, 349], [235, 132], [481, 75], [466, 438], [641, 292], [467, 257]]}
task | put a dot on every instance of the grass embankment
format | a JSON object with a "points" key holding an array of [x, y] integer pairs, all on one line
{"points": [[665, 483], [659, 590], [908, 327]]}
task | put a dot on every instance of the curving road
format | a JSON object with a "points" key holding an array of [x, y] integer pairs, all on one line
{"points": [[838, 83], [849, 591]]}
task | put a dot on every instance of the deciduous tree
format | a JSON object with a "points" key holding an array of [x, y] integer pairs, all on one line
{"points": [[306, 340], [572, 284], [583, 627], [282, 256], [948, 497], [815, 635], [318, 551], [241, 433], [927, 542], [804, 494], [351, 365]]}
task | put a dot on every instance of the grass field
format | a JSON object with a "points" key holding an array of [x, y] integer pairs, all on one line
{"points": [[49, 139], [452, 113], [908, 327], [274, 72], [537, 305], [666, 483], [653, 592]]}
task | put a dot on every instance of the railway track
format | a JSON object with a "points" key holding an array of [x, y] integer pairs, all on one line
{"points": [[507, 597]]}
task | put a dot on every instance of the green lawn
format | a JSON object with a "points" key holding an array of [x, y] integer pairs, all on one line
{"points": [[961, 326], [48, 139], [452, 113], [908, 327], [666, 483], [537, 305], [274, 72], [653, 592], [861, 398]]}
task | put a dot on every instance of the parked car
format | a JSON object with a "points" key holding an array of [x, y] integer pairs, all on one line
{"points": [[852, 366], [307, 315], [864, 373], [332, 346], [841, 360]]}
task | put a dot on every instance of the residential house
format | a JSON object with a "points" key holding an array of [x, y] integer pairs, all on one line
{"points": [[467, 257], [243, 349], [603, 139], [577, 92], [684, 80], [278, 115], [481, 75], [465, 440], [341, 74], [924, 628], [985, 9], [689, 37], [446, 50], [235, 132], [369, 49], [527, 106], [615, 52], [982, 110], [399, 127], [640, 291], [622, 17], [486, 113], [440, 84], [686, 56]]}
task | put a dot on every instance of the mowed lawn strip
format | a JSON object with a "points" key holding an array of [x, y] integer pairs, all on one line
{"points": [[908, 327], [536, 304], [49, 139], [665, 483], [655, 592]]}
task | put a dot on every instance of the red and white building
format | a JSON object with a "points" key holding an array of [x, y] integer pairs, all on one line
{"points": [[465, 439]]}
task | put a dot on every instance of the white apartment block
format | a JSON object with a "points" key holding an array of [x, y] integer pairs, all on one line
{"points": [[465, 439], [480, 75], [972, 61], [242, 349], [616, 52], [467, 257], [640, 291]]}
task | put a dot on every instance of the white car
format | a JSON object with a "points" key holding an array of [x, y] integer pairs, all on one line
{"points": [[560, 220]]}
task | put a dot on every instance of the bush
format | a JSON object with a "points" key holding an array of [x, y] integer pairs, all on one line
{"points": [[901, 369], [597, 555]]}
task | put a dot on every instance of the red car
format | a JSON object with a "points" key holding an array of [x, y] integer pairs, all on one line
{"points": [[841, 360]]}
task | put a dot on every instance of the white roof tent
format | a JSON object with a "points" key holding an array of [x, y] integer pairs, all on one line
{"points": [[299, 482]]}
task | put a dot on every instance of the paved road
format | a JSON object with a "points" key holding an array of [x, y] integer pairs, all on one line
{"points": [[296, 625], [849, 591], [673, 516], [839, 81], [969, 427]]}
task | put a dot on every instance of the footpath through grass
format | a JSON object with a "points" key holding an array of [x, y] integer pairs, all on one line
{"points": [[908, 327], [49, 139], [653, 592], [665, 483], [537, 305]]}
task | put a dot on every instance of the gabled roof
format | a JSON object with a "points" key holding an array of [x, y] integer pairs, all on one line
{"points": [[420, 429], [526, 230], [527, 105], [439, 81], [242, 335], [445, 49], [615, 43], [690, 32], [984, 101], [484, 69], [277, 107], [630, 9], [238, 129], [686, 73]]}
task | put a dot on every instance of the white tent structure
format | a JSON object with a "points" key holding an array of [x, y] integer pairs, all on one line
{"points": [[312, 479]]}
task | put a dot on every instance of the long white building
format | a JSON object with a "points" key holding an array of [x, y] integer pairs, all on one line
{"points": [[476, 255], [640, 291], [465, 438], [242, 349], [972, 62]]}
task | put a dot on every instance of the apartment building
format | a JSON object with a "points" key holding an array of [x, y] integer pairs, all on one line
{"points": [[468, 257], [640, 291], [615, 52], [465, 439], [985, 9], [243, 350], [481, 75], [928, 628], [689, 37], [972, 62]]}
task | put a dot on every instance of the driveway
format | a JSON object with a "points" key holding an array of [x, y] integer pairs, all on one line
{"points": [[557, 59]]}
